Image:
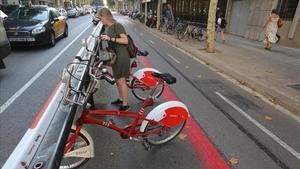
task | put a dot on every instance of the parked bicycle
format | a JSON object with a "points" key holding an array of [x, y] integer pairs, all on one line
{"points": [[196, 32], [159, 126], [136, 82], [173, 27]]}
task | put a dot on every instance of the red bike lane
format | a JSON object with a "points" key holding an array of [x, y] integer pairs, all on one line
{"points": [[208, 155]]}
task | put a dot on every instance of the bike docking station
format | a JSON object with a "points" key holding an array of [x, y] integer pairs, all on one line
{"points": [[42, 146]]}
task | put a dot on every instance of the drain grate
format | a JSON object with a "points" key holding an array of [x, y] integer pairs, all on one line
{"points": [[295, 86]]}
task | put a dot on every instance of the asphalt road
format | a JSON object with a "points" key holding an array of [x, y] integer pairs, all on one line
{"points": [[238, 124]]}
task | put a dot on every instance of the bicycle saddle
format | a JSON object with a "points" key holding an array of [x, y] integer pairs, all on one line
{"points": [[168, 78], [142, 53]]}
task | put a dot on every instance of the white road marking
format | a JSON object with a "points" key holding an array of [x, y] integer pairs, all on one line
{"points": [[151, 42], [35, 77], [257, 124], [173, 58]]}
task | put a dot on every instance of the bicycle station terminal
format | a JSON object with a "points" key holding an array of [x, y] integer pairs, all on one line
{"points": [[43, 144]]}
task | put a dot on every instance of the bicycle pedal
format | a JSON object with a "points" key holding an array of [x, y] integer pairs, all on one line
{"points": [[147, 146]]}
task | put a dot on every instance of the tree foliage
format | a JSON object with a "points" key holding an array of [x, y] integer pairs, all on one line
{"points": [[110, 3], [97, 2]]}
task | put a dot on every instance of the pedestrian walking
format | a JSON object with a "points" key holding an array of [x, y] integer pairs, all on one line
{"points": [[221, 25], [167, 15], [271, 28], [117, 39]]}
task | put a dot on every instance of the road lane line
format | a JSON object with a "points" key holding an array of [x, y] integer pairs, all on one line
{"points": [[35, 77], [206, 152], [173, 58], [260, 126], [151, 42]]}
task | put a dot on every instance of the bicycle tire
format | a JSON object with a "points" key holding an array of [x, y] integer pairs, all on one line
{"points": [[136, 94], [80, 162], [151, 141], [202, 36], [185, 36], [180, 35], [170, 31]]}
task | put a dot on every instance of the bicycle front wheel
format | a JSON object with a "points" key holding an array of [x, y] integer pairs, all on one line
{"points": [[75, 162], [142, 92], [166, 134]]}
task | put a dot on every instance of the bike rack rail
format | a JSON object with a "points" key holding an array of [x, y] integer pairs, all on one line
{"points": [[43, 144]]}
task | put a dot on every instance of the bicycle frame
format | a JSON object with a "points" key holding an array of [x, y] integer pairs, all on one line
{"points": [[130, 133], [132, 77]]}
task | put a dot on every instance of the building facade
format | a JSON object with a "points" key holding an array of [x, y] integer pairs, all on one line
{"points": [[247, 18]]}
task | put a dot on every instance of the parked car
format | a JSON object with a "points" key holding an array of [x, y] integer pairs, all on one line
{"points": [[63, 12], [87, 10], [95, 19], [72, 12], [81, 10], [35, 25], [4, 45], [7, 9]]}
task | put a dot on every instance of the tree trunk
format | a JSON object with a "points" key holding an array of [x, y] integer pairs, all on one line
{"points": [[211, 23], [158, 13]]}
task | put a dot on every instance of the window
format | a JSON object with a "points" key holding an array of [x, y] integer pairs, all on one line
{"points": [[29, 14], [53, 14], [287, 8]]}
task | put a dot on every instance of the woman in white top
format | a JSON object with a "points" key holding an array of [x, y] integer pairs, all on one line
{"points": [[271, 27]]}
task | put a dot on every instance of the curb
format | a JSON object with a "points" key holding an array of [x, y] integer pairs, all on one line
{"points": [[271, 96]]}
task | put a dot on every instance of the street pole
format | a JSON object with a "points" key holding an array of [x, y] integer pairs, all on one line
{"points": [[146, 12], [211, 23], [158, 13]]}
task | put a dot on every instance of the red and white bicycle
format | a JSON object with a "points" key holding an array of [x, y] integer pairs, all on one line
{"points": [[159, 126]]}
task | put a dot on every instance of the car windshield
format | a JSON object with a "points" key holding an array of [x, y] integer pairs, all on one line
{"points": [[29, 14]]}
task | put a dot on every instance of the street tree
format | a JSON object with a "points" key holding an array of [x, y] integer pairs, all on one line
{"points": [[97, 2], [211, 24]]}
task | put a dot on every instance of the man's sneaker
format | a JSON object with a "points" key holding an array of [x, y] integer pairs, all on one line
{"points": [[124, 108], [117, 102]]}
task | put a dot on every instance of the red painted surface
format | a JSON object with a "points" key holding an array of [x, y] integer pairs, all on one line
{"points": [[206, 152], [174, 116], [148, 79], [42, 111]]}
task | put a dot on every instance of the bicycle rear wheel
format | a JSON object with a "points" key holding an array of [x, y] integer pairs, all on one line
{"points": [[202, 35], [75, 162], [142, 93], [166, 135]]}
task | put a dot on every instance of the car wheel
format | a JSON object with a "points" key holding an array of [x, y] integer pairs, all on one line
{"points": [[52, 40], [66, 31]]}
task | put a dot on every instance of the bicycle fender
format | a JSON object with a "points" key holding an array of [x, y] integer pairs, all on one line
{"points": [[87, 152], [169, 114], [145, 75]]}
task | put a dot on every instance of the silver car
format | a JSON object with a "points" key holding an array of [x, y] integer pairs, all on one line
{"points": [[63, 12]]}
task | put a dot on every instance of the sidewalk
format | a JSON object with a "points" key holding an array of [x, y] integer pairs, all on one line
{"points": [[275, 74]]}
